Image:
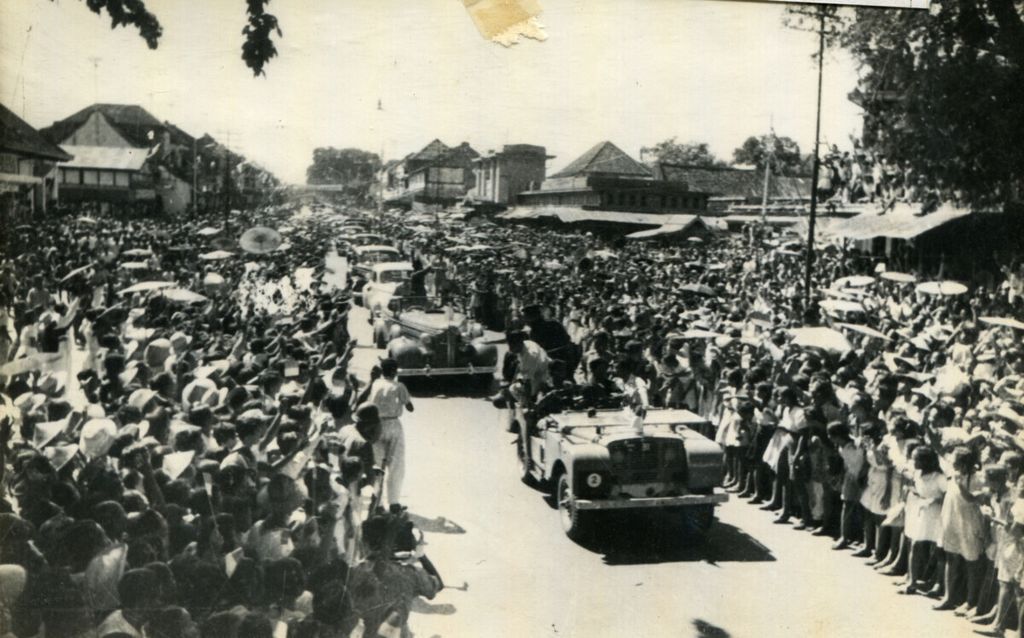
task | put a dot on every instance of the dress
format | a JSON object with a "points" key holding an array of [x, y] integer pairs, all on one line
{"points": [[875, 497], [924, 507], [963, 528], [780, 441]]}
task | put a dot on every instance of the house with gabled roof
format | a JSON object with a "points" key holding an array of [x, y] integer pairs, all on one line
{"points": [[436, 174], [27, 166], [606, 178]]}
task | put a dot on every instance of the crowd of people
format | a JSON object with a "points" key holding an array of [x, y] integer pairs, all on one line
{"points": [[185, 450], [879, 415]]}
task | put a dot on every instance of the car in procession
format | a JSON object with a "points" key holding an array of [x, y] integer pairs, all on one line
{"points": [[364, 258], [382, 282], [429, 338], [598, 461]]}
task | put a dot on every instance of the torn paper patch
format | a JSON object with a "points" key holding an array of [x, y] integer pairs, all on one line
{"points": [[505, 21]]}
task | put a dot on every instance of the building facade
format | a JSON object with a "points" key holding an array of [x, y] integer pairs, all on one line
{"points": [[501, 177]]}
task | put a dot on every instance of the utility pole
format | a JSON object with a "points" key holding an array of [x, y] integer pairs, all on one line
{"points": [[817, 162], [767, 169]]}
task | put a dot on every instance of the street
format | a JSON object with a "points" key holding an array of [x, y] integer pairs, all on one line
{"points": [[485, 528]]}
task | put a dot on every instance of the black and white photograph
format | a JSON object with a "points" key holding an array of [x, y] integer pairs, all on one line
{"points": [[511, 318]]}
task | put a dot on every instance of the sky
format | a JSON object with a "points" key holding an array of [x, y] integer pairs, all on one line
{"points": [[635, 73]]}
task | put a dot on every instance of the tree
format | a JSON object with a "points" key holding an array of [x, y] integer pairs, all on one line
{"points": [[941, 90], [785, 154], [690, 154], [352, 168], [257, 49]]}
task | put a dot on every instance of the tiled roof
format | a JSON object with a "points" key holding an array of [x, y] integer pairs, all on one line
{"points": [[119, 158], [604, 158], [431, 151], [130, 120], [16, 136], [734, 182]]}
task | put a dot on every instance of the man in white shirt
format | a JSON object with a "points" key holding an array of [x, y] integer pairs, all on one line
{"points": [[392, 399]]}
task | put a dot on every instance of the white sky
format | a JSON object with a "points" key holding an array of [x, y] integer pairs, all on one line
{"points": [[632, 72]]}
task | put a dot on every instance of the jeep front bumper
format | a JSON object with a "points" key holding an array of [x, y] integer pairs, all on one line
{"points": [[657, 501]]}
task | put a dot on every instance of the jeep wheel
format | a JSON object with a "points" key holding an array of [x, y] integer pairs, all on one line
{"points": [[574, 522]]}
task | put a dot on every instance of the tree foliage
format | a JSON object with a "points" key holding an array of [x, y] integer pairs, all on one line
{"points": [[257, 49], [942, 89], [785, 154], [690, 153], [352, 168]]}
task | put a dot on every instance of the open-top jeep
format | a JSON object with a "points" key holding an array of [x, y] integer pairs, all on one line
{"points": [[615, 460]]}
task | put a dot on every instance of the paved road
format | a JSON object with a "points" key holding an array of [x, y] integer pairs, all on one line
{"points": [[526, 578]]}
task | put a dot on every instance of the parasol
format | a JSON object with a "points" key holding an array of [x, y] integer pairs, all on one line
{"points": [[182, 295], [853, 281], [701, 334], [146, 286], [603, 254], [213, 279], [825, 338], [32, 363], [260, 240], [840, 305], [209, 231], [1005, 322], [86, 220], [698, 289], [898, 277], [74, 273], [138, 252], [135, 265], [948, 288], [864, 330], [217, 254]]}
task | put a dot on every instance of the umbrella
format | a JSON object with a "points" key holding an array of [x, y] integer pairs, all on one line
{"points": [[701, 334], [864, 330], [695, 240], [899, 277], [949, 288], [146, 286], [74, 273], [86, 220], [698, 289], [135, 265], [260, 240], [213, 279], [840, 305], [716, 266], [138, 252], [182, 295], [1005, 322], [854, 281], [30, 364], [217, 254], [208, 231], [825, 338], [283, 247], [603, 254]]}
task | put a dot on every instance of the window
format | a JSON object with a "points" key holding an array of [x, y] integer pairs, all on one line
{"points": [[106, 178], [632, 199], [643, 201], [71, 176], [90, 178], [622, 199], [122, 179]]}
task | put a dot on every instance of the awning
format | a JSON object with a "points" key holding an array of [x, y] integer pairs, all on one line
{"points": [[575, 215], [901, 222], [665, 229]]}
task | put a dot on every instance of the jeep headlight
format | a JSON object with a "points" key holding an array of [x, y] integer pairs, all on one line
{"points": [[594, 480]]}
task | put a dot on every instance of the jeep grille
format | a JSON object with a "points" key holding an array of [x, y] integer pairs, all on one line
{"points": [[644, 460]]}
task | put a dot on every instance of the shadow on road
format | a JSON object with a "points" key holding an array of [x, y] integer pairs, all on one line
{"points": [[705, 629], [449, 386], [657, 538]]}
